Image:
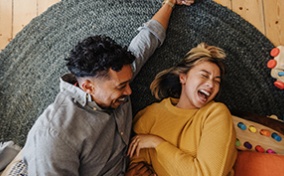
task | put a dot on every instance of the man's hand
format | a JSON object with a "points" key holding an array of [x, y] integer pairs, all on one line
{"points": [[140, 169], [184, 2]]}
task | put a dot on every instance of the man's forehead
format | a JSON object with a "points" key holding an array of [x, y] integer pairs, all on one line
{"points": [[122, 76]]}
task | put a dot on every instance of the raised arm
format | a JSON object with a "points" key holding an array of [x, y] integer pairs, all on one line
{"points": [[152, 34], [164, 13]]}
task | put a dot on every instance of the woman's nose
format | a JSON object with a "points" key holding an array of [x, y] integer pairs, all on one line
{"points": [[210, 83]]}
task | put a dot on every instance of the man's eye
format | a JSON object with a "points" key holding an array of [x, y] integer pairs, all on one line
{"points": [[121, 87]]}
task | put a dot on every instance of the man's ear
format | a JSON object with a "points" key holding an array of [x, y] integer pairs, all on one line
{"points": [[87, 86]]}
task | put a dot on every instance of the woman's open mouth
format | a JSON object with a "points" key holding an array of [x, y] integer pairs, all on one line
{"points": [[204, 94]]}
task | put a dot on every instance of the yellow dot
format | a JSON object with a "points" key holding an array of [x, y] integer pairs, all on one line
{"points": [[252, 129]]}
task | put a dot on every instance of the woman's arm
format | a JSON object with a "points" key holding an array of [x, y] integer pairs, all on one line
{"points": [[215, 149], [141, 141], [215, 153]]}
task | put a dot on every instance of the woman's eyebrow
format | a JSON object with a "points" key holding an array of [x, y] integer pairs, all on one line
{"points": [[209, 73], [205, 71]]}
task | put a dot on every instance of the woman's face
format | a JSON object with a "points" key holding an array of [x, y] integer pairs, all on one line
{"points": [[199, 85]]}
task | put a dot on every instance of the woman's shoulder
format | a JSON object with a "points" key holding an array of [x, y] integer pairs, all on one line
{"points": [[152, 110], [216, 106], [157, 105], [216, 109]]}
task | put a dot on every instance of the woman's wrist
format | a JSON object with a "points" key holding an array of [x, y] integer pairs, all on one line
{"points": [[157, 141]]}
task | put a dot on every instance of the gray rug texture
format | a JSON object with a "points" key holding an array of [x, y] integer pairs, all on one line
{"points": [[30, 66]]}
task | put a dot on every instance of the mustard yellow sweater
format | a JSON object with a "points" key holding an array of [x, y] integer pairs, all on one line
{"points": [[200, 142]]}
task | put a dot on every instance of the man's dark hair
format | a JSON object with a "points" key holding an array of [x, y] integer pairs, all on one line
{"points": [[95, 55]]}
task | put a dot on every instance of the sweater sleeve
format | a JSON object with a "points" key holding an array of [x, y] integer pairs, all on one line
{"points": [[216, 152], [139, 128]]}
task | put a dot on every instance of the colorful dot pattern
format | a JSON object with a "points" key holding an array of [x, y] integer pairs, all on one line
{"points": [[257, 137]]}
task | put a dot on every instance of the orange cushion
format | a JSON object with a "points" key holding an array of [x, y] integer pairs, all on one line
{"points": [[251, 163]]}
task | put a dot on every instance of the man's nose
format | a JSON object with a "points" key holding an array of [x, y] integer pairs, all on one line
{"points": [[127, 90]]}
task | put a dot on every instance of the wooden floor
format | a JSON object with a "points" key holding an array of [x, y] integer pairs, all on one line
{"points": [[265, 15]]}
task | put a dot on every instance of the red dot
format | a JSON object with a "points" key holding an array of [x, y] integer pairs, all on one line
{"points": [[271, 63], [274, 52], [279, 84]]}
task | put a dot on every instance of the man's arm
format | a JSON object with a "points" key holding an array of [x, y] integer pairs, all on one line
{"points": [[152, 35]]}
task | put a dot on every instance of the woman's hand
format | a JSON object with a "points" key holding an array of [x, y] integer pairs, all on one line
{"points": [[143, 141]]}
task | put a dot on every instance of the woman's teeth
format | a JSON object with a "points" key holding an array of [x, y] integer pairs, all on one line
{"points": [[207, 94]]}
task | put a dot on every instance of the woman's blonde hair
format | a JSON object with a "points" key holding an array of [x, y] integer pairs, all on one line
{"points": [[167, 83]]}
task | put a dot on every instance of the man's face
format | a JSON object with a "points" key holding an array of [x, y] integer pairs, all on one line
{"points": [[112, 92]]}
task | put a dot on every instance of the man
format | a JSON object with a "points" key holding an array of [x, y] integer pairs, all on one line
{"points": [[86, 130]]}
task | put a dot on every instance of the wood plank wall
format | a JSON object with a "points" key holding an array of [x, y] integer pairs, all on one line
{"points": [[266, 15]]}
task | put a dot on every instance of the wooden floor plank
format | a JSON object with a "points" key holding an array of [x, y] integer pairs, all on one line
{"points": [[274, 21], [226, 3], [42, 5], [24, 11], [6, 19], [252, 11]]}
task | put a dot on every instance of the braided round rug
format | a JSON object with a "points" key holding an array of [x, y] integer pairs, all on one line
{"points": [[30, 66]]}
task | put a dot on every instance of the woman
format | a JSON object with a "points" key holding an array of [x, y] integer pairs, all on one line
{"points": [[187, 133]]}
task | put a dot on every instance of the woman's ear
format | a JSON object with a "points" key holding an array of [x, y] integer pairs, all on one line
{"points": [[182, 78], [87, 86]]}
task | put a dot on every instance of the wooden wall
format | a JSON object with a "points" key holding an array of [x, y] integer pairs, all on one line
{"points": [[265, 15]]}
